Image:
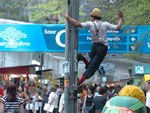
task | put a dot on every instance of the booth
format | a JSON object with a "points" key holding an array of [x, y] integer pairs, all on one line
{"points": [[18, 73]]}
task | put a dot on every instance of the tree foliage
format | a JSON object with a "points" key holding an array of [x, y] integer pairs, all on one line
{"points": [[136, 12], [44, 10], [13, 9]]}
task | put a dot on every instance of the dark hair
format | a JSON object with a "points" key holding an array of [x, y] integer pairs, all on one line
{"points": [[96, 17], [110, 95], [106, 87], [102, 91], [21, 87], [62, 87], [90, 88], [11, 92]]}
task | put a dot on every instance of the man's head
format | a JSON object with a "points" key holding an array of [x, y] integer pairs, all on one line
{"points": [[95, 14], [147, 85], [98, 88], [103, 91], [61, 89], [53, 89], [44, 88], [133, 91]]}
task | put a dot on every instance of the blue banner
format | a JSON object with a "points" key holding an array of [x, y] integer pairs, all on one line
{"points": [[51, 38]]}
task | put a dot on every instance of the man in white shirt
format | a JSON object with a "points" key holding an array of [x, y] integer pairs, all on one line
{"points": [[98, 31], [53, 100], [147, 87], [97, 91], [61, 102]]}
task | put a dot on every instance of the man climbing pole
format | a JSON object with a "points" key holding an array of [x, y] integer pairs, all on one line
{"points": [[98, 30]]}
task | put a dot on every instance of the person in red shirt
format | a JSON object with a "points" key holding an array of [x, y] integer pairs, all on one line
{"points": [[1, 92]]}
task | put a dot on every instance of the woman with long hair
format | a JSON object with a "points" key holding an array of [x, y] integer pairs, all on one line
{"points": [[11, 102], [88, 100], [23, 95], [35, 98], [45, 96]]}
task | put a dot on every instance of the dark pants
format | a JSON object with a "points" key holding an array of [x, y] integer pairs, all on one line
{"points": [[98, 53]]}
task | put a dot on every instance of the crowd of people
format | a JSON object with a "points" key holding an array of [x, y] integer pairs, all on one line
{"points": [[93, 99], [16, 100], [130, 99]]}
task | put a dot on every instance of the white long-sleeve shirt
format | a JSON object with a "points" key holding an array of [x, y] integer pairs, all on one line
{"points": [[148, 99], [61, 103], [53, 99]]}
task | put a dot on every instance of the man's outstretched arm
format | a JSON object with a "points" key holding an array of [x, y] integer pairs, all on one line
{"points": [[73, 21], [120, 14]]}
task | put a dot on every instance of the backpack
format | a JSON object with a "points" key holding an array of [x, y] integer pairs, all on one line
{"points": [[117, 109]]}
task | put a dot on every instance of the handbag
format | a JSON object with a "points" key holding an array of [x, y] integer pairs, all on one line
{"points": [[92, 109], [48, 107], [29, 106]]}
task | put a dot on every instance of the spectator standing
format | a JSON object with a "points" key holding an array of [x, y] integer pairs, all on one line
{"points": [[147, 87], [35, 98], [53, 99], [23, 95], [57, 90], [61, 102], [45, 96], [84, 93], [88, 100], [100, 100], [39, 91], [97, 91], [11, 102]]}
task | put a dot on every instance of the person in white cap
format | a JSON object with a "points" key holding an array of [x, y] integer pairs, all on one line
{"points": [[98, 30]]}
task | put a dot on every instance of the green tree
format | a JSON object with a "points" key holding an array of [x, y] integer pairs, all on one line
{"points": [[137, 12], [13, 9], [43, 11]]}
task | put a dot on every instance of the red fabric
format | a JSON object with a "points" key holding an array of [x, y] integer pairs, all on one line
{"points": [[2, 101], [15, 70], [82, 79], [86, 61], [1, 91]]}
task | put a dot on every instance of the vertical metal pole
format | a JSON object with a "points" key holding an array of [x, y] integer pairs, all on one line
{"points": [[66, 80], [73, 58]]}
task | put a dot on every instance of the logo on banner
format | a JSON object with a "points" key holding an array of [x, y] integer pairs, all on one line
{"points": [[58, 38], [11, 38], [139, 69], [148, 43]]}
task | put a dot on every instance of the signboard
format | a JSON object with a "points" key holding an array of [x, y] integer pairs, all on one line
{"points": [[51, 38], [107, 69], [147, 77], [104, 79], [140, 69]]}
